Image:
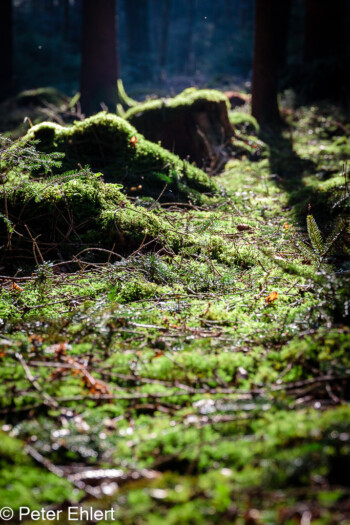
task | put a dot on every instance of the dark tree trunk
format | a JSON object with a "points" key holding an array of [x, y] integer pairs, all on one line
{"points": [[265, 63], [282, 32], [138, 39], [6, 49], [324, 29], [99, 65]]}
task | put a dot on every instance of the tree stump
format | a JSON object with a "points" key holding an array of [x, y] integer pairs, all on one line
{"points": [[195, 125]]}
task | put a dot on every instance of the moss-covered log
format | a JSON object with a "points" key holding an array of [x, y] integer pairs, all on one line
{"points": [[112, 146], [194, 125]]}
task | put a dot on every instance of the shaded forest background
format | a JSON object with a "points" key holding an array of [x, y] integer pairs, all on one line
{"points": [[168, 45]]}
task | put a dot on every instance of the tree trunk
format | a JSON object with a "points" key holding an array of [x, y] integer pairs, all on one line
{"points": [[324, 29], [6, 49], [99, 65], [282, 32], [265, 63], [138, 39]]}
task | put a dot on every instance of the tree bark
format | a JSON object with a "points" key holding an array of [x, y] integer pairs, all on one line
{"points": [[265, 63], [6, 49], [324, 29], [282, 32], [99, 64]]}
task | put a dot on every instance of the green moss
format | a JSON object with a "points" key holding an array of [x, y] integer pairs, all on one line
{"points": [[231, 399], [144, 168], [22, 483], [244, 123], [245, 141], [81, 212], [324, 350], [135, 290], [196, 98], [248, 146]]}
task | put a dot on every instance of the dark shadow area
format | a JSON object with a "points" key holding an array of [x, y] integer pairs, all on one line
{"points": [[289, 169], [322, 79]]}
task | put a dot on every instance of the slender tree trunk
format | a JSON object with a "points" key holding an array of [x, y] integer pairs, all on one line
{"points": [[265, 62], [99, 67], [324, 29], [138, 39], [6, 49]]}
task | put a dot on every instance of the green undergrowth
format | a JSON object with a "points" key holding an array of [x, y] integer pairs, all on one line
{"points": [[204, 376], [109, 144], [24, 484], [310, 158], [72, 214]]}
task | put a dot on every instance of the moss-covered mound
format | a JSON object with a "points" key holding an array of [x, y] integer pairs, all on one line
{"points": [[55, 219], [33, 105], [194, 125], [111, 145], [244, 123], [246, 143]]}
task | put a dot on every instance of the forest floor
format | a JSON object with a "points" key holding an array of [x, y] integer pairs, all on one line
{"points": [[205, 386]]}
